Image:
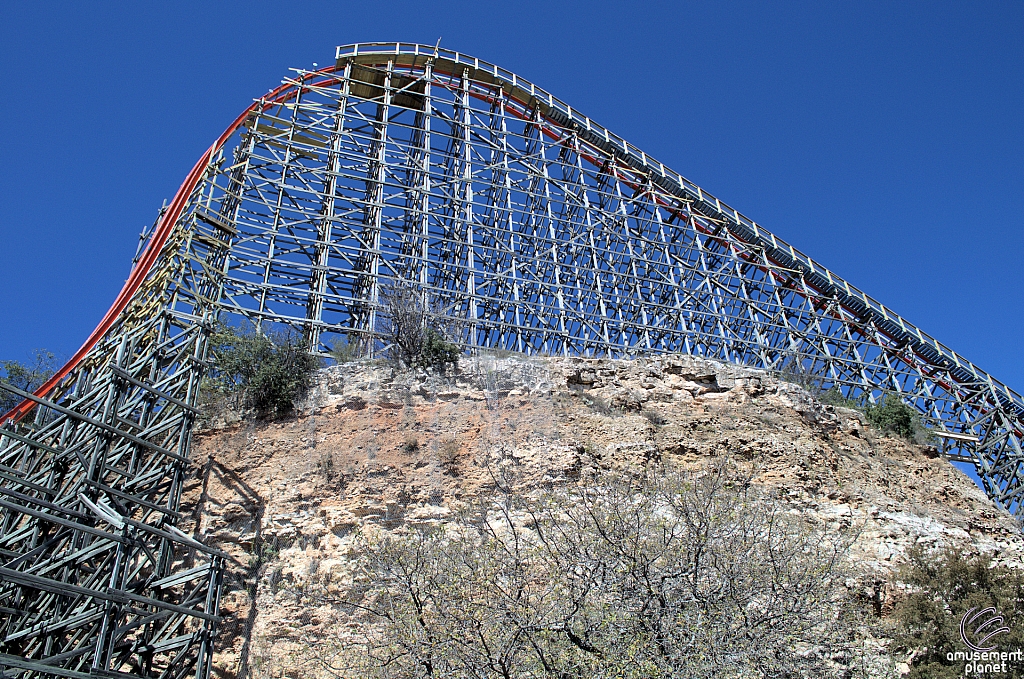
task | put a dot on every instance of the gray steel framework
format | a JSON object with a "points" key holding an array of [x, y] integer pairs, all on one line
{"points": [[536, 228]]}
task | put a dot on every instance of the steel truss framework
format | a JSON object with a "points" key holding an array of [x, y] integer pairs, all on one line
{"points": [[538, 229]]}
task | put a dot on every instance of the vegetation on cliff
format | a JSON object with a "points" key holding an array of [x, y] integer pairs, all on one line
{"points": [[414, 333], [260, 370], [652, 573], [943, 588]]}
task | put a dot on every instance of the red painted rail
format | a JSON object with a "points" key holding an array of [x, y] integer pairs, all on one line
{"points": [[156, 242]]}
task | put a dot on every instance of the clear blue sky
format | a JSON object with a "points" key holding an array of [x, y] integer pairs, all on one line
{"points": [[885, 139]]}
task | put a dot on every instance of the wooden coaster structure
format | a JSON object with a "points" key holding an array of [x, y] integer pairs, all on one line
{"points": [[530, 226]]}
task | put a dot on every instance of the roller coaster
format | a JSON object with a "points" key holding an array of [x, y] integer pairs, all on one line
{"points": [[403, 164]]}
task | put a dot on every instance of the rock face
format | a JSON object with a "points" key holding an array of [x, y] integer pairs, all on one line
{"points": [[375, 449]]}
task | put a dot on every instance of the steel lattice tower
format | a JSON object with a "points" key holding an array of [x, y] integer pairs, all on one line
{"points": [[536, 228]]}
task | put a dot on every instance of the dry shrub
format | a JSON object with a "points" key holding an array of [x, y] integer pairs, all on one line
{"points": [[661, 574], [411, 444], [326, 467], [448, 454]]}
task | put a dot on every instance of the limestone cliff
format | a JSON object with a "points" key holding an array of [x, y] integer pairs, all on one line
{"points": [[372, 447]]}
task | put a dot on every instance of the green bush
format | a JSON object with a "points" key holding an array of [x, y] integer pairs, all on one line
{"points": [[943, 588], [25, 376], [437, 352], [894, 416], [263, 371]]}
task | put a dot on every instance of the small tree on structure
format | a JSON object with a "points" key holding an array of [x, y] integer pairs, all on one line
{"points": [[415, 335], [25, 376], [262, 371]]}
